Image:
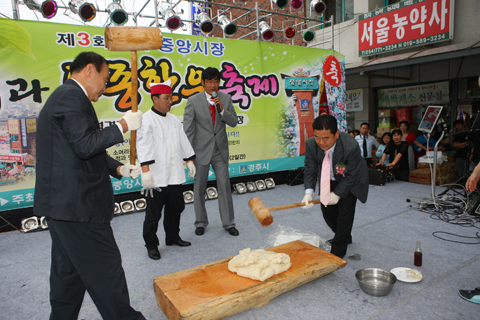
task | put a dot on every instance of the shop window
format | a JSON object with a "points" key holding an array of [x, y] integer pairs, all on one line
{"points": [[469, 102], [389, 2], [341, 10], [351, 120]]}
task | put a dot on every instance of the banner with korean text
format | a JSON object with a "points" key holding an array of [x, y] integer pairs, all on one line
{"points": [[405, 24], [275, 91], [423, 94]]}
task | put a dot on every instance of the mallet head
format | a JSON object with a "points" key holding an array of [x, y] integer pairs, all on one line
{"points": [[260, 211]]}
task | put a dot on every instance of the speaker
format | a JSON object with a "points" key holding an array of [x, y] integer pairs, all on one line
{"points": [[473, 203], [295, 177]]}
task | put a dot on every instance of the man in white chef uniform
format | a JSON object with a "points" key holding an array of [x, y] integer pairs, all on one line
{"points": [[162, 146]]}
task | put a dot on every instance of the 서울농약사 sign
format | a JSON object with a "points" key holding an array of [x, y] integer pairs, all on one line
{"points": [[405, 24]]}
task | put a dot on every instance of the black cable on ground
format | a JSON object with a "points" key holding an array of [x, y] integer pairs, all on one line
{"points": [[477, 237]]}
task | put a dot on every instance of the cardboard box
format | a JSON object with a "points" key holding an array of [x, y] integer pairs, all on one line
{"points": [[442, 169], [386, 113], [448, 178], [387, 122], [451, 156], [421, 176], [381, 131], [448, 166], [451, 167]]}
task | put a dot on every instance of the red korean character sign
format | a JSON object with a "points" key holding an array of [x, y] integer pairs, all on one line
{"points": [[332, 71]]}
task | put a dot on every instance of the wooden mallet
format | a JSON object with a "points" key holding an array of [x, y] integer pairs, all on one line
{"points": [[133, 39], [263, 213]]}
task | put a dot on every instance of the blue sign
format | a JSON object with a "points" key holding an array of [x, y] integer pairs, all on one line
{"points": [[304, 104], [301, 83]]}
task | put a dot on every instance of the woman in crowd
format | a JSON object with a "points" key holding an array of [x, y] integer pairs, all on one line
{"points": [[398, 151], [409, 138], [387, 139]]}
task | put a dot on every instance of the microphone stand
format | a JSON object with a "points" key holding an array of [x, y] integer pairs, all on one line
{"points": [[443, 127], [434, 175]]}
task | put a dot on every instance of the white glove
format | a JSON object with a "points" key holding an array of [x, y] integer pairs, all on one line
{"points": [[307, 200], [191, 169], [147, 180], [145, 191], [148, 184], [133, 119], [131, 170], [333, 199]]}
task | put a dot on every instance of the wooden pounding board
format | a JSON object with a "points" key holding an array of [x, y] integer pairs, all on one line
{"points": [[211, 291]]}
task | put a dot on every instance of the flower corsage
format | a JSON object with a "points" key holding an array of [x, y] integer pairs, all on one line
{"points": [[340, 168]]}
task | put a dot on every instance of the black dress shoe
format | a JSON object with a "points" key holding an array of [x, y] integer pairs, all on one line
{"points": [[199, 231], [331, 240], [233, 231], [179, 243], [154, 254], [340, 256]]}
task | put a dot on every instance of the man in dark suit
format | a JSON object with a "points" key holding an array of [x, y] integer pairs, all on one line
{"points": [[74, 192], [366, 142], [204, 122], [343, 178]]}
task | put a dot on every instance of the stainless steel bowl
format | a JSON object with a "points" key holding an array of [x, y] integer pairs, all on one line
{"points": [[375, 281]]}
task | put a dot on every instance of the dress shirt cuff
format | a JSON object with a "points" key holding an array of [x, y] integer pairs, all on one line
{"points": [[119, 127], [309, 191], [188, 159]]}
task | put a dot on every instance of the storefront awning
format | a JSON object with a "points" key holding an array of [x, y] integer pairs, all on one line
{"points": [[417, 57]]}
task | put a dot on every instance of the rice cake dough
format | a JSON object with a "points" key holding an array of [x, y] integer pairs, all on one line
{"points": [[259, 264]]}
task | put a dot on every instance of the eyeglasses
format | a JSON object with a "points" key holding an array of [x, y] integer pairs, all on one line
{"points": [[212, 82]]}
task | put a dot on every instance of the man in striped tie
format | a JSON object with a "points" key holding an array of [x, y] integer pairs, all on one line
{"points": [[343, 178]]}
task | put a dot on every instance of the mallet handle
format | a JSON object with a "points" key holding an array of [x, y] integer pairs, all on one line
{"points": [[293, 205], [133, 134]]}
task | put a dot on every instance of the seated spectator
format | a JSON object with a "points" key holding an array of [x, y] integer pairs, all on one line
{"points": [[398, 151], [420, 143], [387, 139]]}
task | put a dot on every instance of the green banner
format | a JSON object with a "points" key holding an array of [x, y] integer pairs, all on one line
{"points": [[274, 108]]}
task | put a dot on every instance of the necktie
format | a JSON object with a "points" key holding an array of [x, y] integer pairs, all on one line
{"points": [[365, 147], [325, 180], [212, 110]]}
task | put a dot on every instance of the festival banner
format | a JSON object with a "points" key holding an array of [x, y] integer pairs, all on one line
{"points": [[275, 90]]}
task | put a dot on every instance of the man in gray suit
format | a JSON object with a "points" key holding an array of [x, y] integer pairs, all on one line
{"points": [[346, 179], [206, 115]]}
